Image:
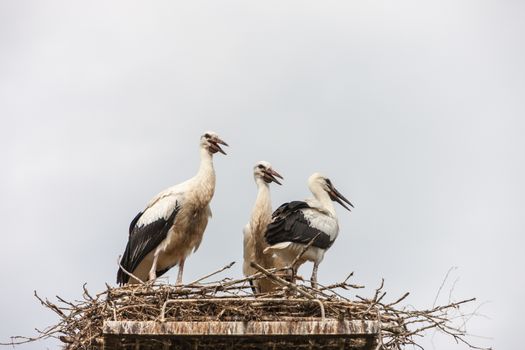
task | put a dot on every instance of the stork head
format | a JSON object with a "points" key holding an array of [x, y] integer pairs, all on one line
{"points": [[211, 142], [320, 181], [263, 170]]}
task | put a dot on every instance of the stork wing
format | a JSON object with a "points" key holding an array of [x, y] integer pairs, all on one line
{"points": [[290, 225], [147, 230]]}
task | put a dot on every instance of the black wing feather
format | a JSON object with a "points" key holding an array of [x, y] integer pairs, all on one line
{"points": [[288, 208], [289, 225], [162, 272], [143, 240], [134, 221]]}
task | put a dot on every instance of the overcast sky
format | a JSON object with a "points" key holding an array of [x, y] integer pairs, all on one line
{"points": [[415, 109]]}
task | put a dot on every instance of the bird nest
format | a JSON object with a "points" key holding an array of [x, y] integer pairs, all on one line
{"points": [[82, 322]]}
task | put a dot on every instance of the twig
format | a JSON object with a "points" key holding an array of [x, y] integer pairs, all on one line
{"points": [[280, 280], [442, 284], [127, 272], [211, 274], [289, 285], [399, 300], [305, 248]]}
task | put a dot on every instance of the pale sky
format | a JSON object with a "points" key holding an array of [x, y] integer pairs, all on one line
{"points": [[414, 109]]}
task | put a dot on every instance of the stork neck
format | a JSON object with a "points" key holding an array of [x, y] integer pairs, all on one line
{"points": [[261, 217], [324, 199], [206, 165], [205, 177], [263, 201]]}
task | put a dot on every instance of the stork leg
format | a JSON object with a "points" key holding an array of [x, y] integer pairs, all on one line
{"points": [[313, 279], [181, 269], [153, 270], [252, 286], [294, 274]]}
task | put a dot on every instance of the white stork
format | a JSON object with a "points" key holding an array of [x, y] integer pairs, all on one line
{"points": [[173, 222], [297, 223], [254, 243]]}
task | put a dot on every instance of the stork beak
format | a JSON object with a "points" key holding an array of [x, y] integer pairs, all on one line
{"points": [[270, 175], [216, 142], [335, 195]]}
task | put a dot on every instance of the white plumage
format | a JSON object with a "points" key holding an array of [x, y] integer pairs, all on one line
{"points": [[173, 223], [294, 225], [253, 233]]}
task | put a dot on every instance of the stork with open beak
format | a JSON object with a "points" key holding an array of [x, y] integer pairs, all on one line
{"points": [[254, 242], [297, 223], [173, 223]]}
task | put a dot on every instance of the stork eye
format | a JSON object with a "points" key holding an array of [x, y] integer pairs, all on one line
{"points": [[260, 166], [328, 181], [207, 136]]}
